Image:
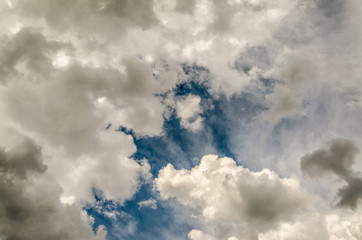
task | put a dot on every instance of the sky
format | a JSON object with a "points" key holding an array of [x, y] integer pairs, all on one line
{"points": [[180, 119]]}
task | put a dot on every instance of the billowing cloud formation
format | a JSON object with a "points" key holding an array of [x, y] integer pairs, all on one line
{"points": [[224, 192], [337, 160], [30, 207]]}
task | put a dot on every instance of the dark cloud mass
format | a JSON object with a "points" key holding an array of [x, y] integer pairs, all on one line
{"points": [[351, 193], [337, 160]]}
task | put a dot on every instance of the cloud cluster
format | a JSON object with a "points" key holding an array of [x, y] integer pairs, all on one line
{"points": [[226, 193]]}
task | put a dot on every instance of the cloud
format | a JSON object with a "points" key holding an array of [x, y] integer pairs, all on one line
{"points": [[199, 235], [27, 49], [344, 225], [85, 16], [114, 174], [223, 192], [150, 203], [337, 160], [310, 227], [185, 6], [24, 159], [189, 110], [68, 114], [29, 201], [73, 72], [284, 104]]}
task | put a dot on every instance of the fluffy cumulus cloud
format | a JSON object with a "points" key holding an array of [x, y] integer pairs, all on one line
{"points": [[226, 193], [111, 100]]}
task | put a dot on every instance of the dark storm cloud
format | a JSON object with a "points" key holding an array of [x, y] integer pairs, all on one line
{"points": [[337, 160]]}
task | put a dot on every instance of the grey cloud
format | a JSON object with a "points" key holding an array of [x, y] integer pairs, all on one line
{"points": [[284, 104], [79, 87], [351, 193], [29, 200], [337, 160], [264, 210], [92, 17], [185, 6], [21, 160], [331, 8], [223, 16], [67, 108], [28, 47], [256, 56], [299, 70]]}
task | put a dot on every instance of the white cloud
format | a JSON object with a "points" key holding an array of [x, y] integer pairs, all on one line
{"points": [[344, 225], [310, 227], [189, 110], [222, 192], [150, 203], [199, 235]]}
